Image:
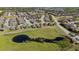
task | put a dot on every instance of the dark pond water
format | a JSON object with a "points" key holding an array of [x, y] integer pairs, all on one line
{"points": [[48, 40], [20, 38], [58, 39], [23, 38]]}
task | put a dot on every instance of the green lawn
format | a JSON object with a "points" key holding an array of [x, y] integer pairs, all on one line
{"points": [[7, 44]]}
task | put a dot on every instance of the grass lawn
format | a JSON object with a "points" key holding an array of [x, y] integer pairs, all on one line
{"points": [[77, 18], [50, 33]]}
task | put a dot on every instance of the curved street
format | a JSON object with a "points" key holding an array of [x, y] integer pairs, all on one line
{"points": [[67, 33]]}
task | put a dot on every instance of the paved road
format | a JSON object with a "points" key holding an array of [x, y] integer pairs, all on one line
{"points": [[69, 34], [66, 32]]}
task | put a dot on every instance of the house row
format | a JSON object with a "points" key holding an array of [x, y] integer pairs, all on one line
{"points": [[23, 20]]}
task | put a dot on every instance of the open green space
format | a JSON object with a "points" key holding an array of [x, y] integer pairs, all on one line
{"points": [[7, 44]]}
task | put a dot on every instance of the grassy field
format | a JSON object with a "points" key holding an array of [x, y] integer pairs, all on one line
{"points": [[7, 44]]}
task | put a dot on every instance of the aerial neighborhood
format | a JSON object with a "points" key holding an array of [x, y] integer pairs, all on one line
{"points": [[39, 28], [21, 20]]}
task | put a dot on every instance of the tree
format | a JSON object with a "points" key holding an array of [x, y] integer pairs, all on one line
{"points": [[71, 9]]}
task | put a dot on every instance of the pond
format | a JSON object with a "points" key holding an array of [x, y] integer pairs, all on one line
{"points": [[20, 38], [24, 38], [41, 40], [58, 39]]}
